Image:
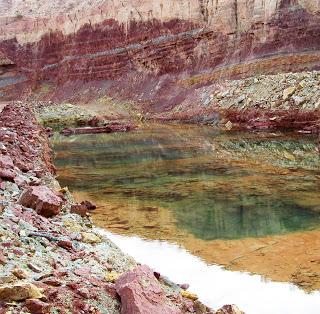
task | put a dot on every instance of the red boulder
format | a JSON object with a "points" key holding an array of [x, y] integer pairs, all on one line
{"points": [[42, 199], [141, 293]]}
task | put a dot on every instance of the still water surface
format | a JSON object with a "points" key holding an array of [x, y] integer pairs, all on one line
{"points": [[214, 186], [180, 183], [216, 286]]}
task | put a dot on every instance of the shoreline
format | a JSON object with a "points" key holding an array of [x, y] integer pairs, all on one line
{"points": [[264, 255], [51, 259]]}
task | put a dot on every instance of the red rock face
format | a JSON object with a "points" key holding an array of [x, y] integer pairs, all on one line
{"points": [[111, 51]]}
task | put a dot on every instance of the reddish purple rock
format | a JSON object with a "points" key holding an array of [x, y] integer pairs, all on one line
{"points": [[34, 268], [36, 306], [42, 199], [141, 293], [66, 244], [6, 161], [89, 205], [79, 209], [7, 174], [229, 309], [52, 282]]}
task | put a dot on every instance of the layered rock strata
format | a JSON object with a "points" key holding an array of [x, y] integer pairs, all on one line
{"points": [[138, 47]]}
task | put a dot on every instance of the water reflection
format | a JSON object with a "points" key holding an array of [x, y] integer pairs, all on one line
{"points": [[216, 286], [215, 186]]}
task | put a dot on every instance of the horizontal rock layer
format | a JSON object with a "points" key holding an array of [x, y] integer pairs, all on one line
{"points": [[230, 38]]}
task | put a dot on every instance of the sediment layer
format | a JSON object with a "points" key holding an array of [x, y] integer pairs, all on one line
{"points": [[140, 47]]}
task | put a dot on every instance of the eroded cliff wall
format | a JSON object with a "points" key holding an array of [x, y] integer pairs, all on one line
{"points": [[141, 43]]}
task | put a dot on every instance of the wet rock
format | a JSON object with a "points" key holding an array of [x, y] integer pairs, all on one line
{"points": [[89, 205], [229, 309], [36, 306], [19, 291], [79, 209], [42, 199], [140, 292]]}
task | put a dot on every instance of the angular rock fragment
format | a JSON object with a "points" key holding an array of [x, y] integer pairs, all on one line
{"points": [[6, 161], [189, 295], [7, 174], [66, 244], [79, 209], [19, 291], [89, 205], [42, 199], [141, 293], [288, 92], [36, 306], [20, 273], [91, 238], [229, 309]]}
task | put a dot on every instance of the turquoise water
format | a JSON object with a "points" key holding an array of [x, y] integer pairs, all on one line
{"points": [[211, 185]]}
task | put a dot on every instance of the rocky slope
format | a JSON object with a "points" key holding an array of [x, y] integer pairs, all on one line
{"points": [[283, 101], [141, 49], [51, 257]]}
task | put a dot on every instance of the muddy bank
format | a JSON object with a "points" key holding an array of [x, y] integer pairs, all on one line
{"points": [[51, 256]]}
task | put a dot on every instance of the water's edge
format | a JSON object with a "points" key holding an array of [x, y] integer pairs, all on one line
{"points": [[214, 285]]}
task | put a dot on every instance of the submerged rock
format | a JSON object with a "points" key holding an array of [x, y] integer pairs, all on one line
{"points": [[89, 205]]}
